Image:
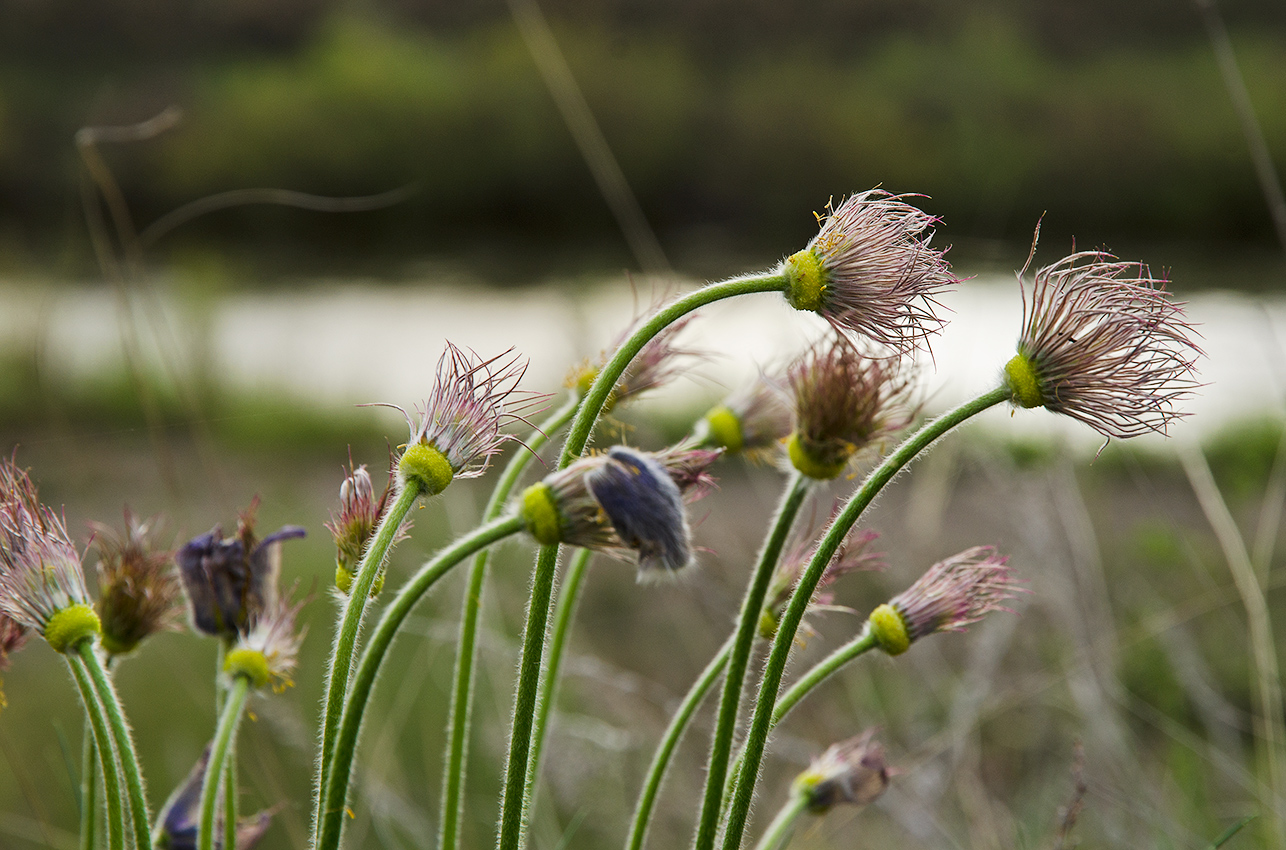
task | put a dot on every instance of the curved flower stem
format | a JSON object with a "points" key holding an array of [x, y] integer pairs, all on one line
{"points": [[733, 683], [525, 692], [121, 737], [233, 708], [775, 666], [340, 663], [819, 673], [822, 671], [778, 832], [670, 740], [88, 787], [103, 743], [564, 610], [331, 806], [466, 652]]}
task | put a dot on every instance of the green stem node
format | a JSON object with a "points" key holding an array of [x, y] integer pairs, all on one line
{"points": [[738, 660], [224, 736], [103, 743], [456, 763], [125, 757], [334, 792], [68, 627], [514, 800]]}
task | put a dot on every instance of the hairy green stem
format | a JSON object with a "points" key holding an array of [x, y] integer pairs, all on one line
{"points": [[331, 806], [456, 763], [230, 799], [822, 671], [564, 610], [233, 708], [88, 786], [103, 743], [775, 666], [734, 681], [121, 737], [340, 663], [779, 831], [514, 802], [670, 740]]}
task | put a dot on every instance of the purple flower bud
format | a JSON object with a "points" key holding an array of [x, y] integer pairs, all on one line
{"points": [[229, 581], [623, 499], [179, 819], [645, 508]]}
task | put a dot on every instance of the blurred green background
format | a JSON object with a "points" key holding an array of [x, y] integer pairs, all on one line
{"points": [[731, 124]]}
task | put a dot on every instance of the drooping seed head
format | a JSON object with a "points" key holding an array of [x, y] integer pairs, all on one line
{"points": [[230, 581], [658, 361], [751, 421], [458, 429], [852, 772], [42, 584], [850, 556], [870, 271], [1104, 343], [180, 818], [952, 594], [844, 403], [139, 591]]}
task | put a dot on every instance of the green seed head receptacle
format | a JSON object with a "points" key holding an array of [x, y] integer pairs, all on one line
{"points": [[425, 467], [68, 627], [805, 280], [250, 664], [890, 629], [540, 514], [1023, 381]]}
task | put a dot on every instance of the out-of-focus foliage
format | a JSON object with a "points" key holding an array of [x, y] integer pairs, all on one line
{"points": [[1111, 116]]}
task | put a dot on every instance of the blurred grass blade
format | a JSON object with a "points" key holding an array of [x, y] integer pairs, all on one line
{"points": [[1230, 832], [1267, 679]]}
